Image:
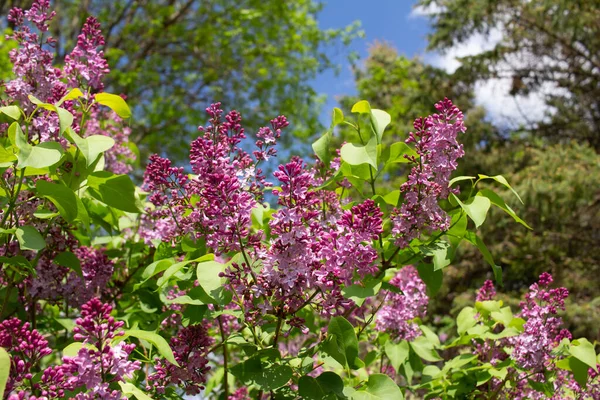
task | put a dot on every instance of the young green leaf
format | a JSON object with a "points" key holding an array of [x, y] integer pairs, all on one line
{"points": [[115, 103], [357, 154]]}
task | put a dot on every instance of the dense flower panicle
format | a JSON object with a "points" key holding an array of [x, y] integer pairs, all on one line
{"points": [[216, 203], [55, 282], [26, 347], [189, 347], [95, 367], [347, 247], [86, 65], [32, 63], [542, 331], [399, 311], [267, 137], [428, 181], [486, 292]]}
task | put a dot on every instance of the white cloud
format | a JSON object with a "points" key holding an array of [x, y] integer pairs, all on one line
{"points": [[420, 11], [503, 109], [476, 44]]}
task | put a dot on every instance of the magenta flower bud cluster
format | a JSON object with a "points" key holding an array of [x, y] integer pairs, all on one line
{"points": [[428, 181]]}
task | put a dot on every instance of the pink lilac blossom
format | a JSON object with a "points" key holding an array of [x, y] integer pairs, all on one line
{"points": [[486, 292], [542, 331], [401, 309], [84, 68], [190, 347], [240, 394], [86, 65], [217, 202], [96, 366], [428, 181]]}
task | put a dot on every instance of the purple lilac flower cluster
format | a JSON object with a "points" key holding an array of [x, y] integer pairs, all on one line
{"points": [[84, 68], [532, 349], [190, 347], [399, 311], [428, 181], [86, 65], [97, 364], [215, 204], [542, 331]]}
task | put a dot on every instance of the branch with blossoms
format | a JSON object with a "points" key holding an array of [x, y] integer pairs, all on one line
{"points": [[193, 284]]}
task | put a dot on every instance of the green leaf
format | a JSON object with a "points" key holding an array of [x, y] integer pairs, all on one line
{"points": [[499, 202], [358, 293], [25, 267], [321, 148], [356, 154], [472, 238], [73, 94], [362, 107], [432, 278], [309, 388], [580, 370], [397, 353], [129, 389], [92, 146], [466, 320], [461, 178], [262, 370], [476, 208], [331, 383], [346, 342], [115, 103], [11, 111], [41, 156], [114, 190], [584, 351], [69, 260], [424, 349], [29, 238], [158, 341], [380, 120], [379, 387], [502, 180], [61, 196], [207, 273], [337, 117], [396, 152], [441, 252], [4, 370]]}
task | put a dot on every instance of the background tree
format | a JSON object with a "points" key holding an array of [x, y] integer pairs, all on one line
{"points": [[173, 57], [548, 45]]}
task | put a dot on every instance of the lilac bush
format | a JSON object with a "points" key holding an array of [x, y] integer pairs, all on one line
{"points": [[214, 279]]}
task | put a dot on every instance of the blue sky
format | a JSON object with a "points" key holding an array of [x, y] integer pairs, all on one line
{"points": [[383, 20], [395, 22]]}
